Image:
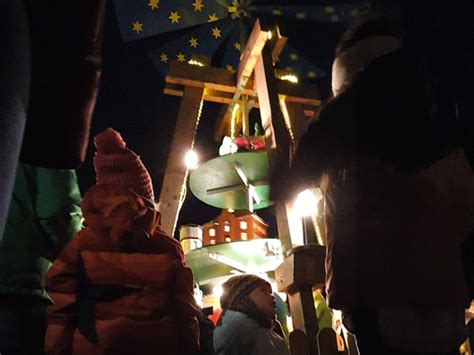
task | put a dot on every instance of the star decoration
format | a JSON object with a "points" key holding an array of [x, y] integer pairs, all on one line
{"points": [[216, 32], [212, 17], [237, 46], [329, 9], [300, 15], [174, 17], [230, 68], [276, 12], [312, 74], [198, 5], [164, 57], [193, 42], [180, 57], [294, 56], [137, 27], [153, 4]]}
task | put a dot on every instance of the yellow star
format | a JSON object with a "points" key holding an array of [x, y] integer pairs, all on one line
{"points": [[237, 46], [230, 68], [300, 15], [153, 4], [213, 17], [276, 12], [137, 27], [193, 42], [174, 17], [198, 5], [312, 74], [216, 32], [180, 56], [294, 56], [329, 9], [164, 57]]}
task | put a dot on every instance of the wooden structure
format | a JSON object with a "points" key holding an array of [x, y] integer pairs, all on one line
{"points": [[285, 110]]}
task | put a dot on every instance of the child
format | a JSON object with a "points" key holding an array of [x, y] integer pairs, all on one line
{"points": [[121, 285], [247, 319]]}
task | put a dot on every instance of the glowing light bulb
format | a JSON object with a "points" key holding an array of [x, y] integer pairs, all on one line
{"points": [[191, 160]]}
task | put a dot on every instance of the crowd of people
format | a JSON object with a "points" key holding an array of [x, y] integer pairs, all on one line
{"points": [[392, 151]]}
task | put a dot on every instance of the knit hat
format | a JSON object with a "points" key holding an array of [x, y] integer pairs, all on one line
{"points": [[115, 164], [238, 287]]}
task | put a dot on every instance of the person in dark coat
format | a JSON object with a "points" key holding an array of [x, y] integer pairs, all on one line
{"points": [[50, 66], [398, 191]]}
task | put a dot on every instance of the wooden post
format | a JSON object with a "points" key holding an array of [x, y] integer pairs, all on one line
{"points": [[176, 172], [277, 138], [297, 275]]}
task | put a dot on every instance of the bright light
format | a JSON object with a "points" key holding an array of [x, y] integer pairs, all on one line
{"points": [[306, 203], [195, 62], [218, 291], [290, 77], [191, 159], [269, 34]]}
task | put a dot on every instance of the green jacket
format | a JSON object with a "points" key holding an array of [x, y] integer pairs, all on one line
{"points": [[44, 215]]}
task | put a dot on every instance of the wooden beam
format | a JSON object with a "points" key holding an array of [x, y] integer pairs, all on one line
{"points": [[277, 138], [251, 53], [299, 273], [222, 82], [176, 172], [278, 46]]}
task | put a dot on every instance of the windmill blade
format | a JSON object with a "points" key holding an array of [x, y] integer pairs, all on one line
{"points": [[203, 40], [341, 13], [141, 19]]}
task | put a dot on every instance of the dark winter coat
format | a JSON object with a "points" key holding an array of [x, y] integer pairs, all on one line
{"points": [[399, 194]]}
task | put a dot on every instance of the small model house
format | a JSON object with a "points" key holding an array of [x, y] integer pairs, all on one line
{"points": [[234, 226]]}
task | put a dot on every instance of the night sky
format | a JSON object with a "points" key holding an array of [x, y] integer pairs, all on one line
{"points": [[131, 100]]}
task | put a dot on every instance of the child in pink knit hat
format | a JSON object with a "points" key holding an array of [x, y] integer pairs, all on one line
{"points": [[121, 286]]}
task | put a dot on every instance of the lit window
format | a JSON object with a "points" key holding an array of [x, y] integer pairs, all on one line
{"points": [[212, 232], [243, 236], [226, 228], [213, 241], [243, 225], [228, 240]]}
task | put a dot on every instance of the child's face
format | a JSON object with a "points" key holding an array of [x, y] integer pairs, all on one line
{"points": [[264, 300]]}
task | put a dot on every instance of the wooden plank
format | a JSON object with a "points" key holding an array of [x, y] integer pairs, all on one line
{"points": [[277, 138], [176, 172], [278, 46], [303, 315], [221, 80], [298, 343], [327, 343], [253, 49]]}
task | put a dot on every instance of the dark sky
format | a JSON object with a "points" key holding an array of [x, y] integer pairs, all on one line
{"points": [[131, 100]]}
